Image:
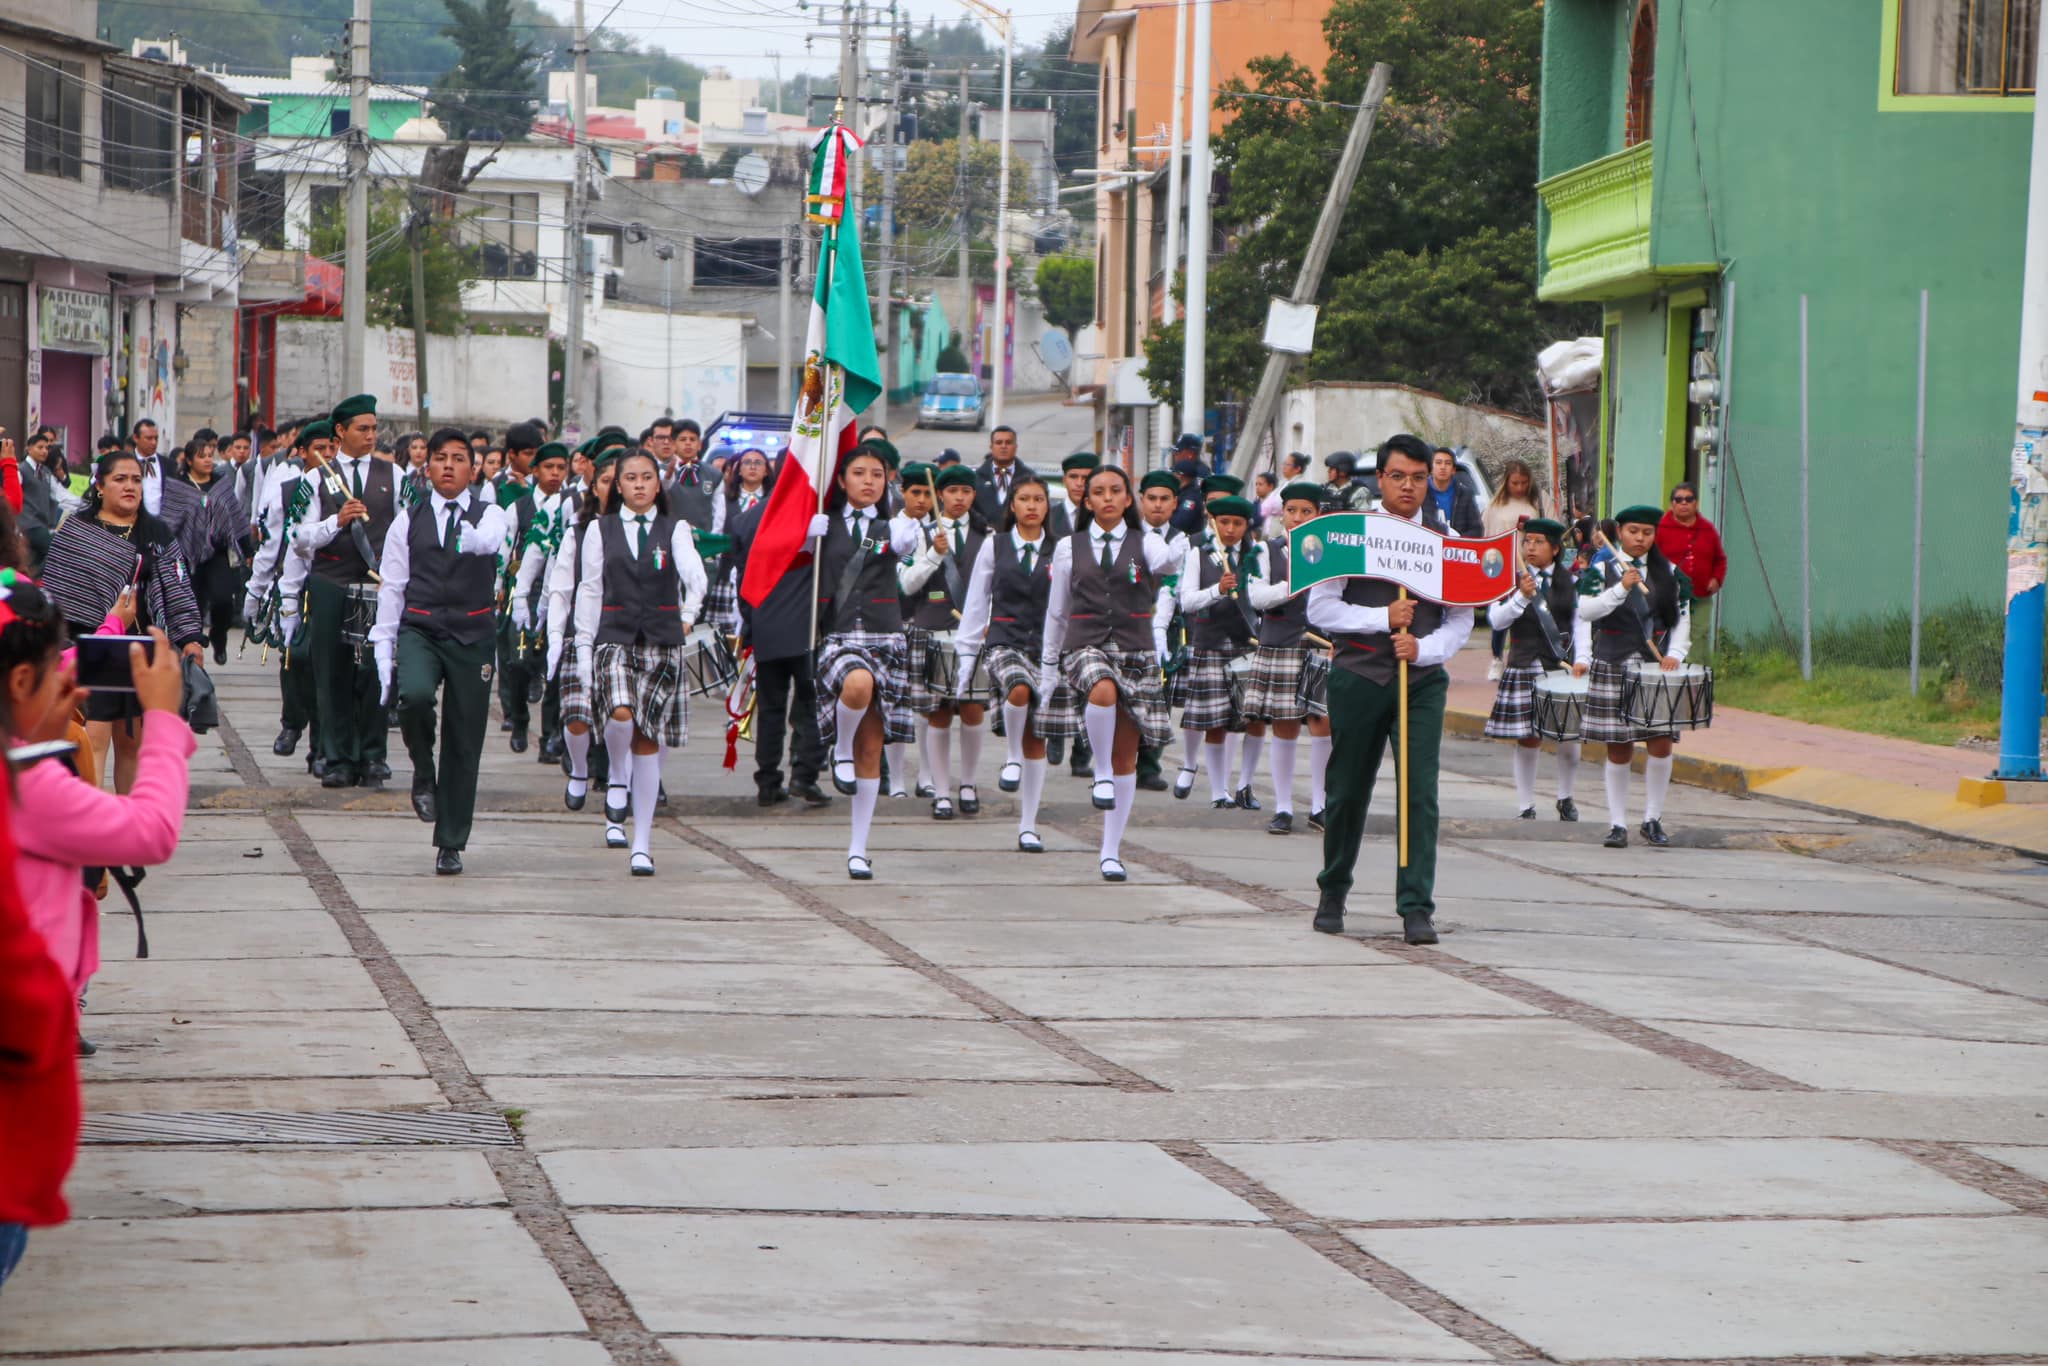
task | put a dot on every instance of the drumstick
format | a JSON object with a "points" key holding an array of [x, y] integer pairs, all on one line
{"points": [[356, 532]]}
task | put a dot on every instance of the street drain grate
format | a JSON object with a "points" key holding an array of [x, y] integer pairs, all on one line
{"points": [[363, 1128]]}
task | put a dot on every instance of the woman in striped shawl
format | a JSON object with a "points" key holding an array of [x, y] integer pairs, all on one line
{"points": [[111, 544], [211, 540]]}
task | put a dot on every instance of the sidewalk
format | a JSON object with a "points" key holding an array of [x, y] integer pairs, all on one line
{"points": [[1752, 753]]}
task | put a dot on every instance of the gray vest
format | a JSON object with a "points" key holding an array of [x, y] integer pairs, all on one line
{"points": [[1281, 627], [690, 496], [1222, 625], [1619, 635], [338, 561], [642, 596], [449, 595], [872, 603], [935, 606], [1527, 648], [1112, 610], [1371, 655], [1016, 600]]}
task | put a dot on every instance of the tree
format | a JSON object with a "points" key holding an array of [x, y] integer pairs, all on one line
{"points": [[478, 97], [1433, 277], [1066, 289], [388, 288], [928, 193]]}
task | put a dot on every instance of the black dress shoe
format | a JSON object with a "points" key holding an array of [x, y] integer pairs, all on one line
{"points": [[772, 796], [286, 742], [1330, 914], [1567, 809], [617, 814], [1417, 927], [518, 742], [86, 1047], [391, 717], [1056, 751], [1315, 820], [1528, 813], [423, 800], [504, 725], [1617, 838], [551, 750], [810, 794], [535, 686], [1281, 824], [220, 656], [1223, 804], [1246, 800], [380, 770], [316, 764], [337, 777], [447, 862], [1153, 782], [1653, 835]]}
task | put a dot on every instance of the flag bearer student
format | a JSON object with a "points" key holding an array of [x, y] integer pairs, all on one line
{"points": [[1544, 585], [917, 502], [1103, 639], [1158, 495], [1003, 625], [353, 730], [1069, 514], [1223, 586], [863, 697], [1278, 695], [277, 575], [537, 510], [1636, 602], [1373, 626], [571, 681], [936, 591], [785, 685], [434, 638], [642, 588]]}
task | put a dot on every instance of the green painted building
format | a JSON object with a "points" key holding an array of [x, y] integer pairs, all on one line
{"points": [[312, 102], [1750, 152]]}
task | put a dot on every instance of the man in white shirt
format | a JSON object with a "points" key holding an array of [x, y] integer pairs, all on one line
{"points": [[1375, 629]]}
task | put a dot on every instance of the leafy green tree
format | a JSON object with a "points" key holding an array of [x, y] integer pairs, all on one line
{"points": [[1432, 280], [1066, 289], [478, 96], [448, 265], [928, 193]]}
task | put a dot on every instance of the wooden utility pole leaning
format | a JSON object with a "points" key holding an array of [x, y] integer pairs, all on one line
{"points": [[572, 363], [356, 223], [1266, 400]]}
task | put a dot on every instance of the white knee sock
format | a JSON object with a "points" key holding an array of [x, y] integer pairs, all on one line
{"points": [[865, 791], [1029, 793], [1248, 768], [1101, 724], [1283, 774], [845, 722], [1318, 771], [1617, 794], [1567, 768], [1525, 777], [646, 783], [970, 753], [618, 748], [1015, 718], [579, 761], [1191, 750], [1117, 817], [1656, 781], [937, 751], [898, 755], [1219, 776]]}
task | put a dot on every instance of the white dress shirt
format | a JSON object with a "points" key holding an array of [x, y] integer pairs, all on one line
{"points": [[589, 604], [263, 570], [1330, 614], [487, 537], [1609, 600], [914, 575], [533, 568], [1159, 558], [311, 535], [1505, 613], [152, 484], [981, 590], [1259, 590]]}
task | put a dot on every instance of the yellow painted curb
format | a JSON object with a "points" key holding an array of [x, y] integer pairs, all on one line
{"points": [[1980, 791], [1734, 780]]}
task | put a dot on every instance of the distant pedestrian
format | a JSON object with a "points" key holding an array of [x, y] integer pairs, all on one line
{"points": [[1692, 543], [1345, 493], [1268, 500], [1455, 501], [1515, 503]]}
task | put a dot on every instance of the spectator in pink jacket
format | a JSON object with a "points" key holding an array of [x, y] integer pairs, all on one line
{"points": [[61, 824]]}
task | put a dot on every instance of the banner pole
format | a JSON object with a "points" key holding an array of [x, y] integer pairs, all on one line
{"points": [[827, 243], [1401, 766]]}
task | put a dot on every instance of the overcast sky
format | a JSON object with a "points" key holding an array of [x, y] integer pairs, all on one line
{"points": [[747, 36]]}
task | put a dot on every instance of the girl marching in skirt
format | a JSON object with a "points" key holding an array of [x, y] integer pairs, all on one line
{"points": [[1544, 586], [572, 682], [1278, 695], [937, 581], [1003, 625], [1635, 605], [1104, 640], [642, 587], [1222, 587], [862, 688]]}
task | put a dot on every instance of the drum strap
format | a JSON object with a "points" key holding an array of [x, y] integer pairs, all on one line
{"points": [[1560, 644]]}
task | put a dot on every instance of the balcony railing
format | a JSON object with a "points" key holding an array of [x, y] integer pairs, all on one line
{"points": [[1599, 227]]}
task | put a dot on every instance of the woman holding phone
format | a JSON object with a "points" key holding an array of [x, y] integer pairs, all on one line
{"points": [[112, 544]]}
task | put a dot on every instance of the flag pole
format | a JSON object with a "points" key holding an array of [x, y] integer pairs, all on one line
{"points": [[825, 263], [1401, 764]]}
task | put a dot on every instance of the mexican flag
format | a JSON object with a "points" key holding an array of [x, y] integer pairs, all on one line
{"points": [[842, 375]]}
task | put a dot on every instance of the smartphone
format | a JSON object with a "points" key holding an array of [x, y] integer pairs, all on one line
{"points": [[103, 661]]}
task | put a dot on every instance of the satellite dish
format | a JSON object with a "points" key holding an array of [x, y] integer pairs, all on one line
{"points": [[1055, 350], [750, 173]]}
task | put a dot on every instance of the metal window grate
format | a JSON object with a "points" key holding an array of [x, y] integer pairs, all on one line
{"points": [[364, 1128]]}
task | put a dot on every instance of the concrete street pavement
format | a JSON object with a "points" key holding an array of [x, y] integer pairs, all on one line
{"points": [[1776, 1093]]}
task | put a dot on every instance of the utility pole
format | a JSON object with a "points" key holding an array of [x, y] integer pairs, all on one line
{"points": [[1002, 233], [416, 233], [356, 228], [1266, 399], [666, 254], [572, 369], [2026, 546], [960, 195], [892, 367], [1176, 139], [1201, 174], [785, 341]]}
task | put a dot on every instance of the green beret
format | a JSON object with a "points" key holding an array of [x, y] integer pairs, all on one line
{"points": [[1550, 531], [882, 449], [1230, 505], [553, 450], [614, 429], [1641, 513], [350, 408], [318, 430], [1080, 460], [1160, 479], [1222, 483], [953, 476], [610, 439], [915, 474], [1302, 492]]}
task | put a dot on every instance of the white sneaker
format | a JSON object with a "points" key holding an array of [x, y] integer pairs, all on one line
{"points": [[1493, 671]]}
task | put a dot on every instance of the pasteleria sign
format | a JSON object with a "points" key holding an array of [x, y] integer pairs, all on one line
{"points": [[1456, 571]]}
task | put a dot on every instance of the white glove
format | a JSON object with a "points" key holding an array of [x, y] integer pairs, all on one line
{"points": [[248, 607], [583, 657], [288, 620], [1048, 679], [386, 667], [522, 615], [467, 540], [820, 524]]}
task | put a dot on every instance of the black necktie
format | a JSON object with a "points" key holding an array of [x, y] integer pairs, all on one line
{"points": [[448, 532], [1029, 551], [641, 520], [1108, 559]]}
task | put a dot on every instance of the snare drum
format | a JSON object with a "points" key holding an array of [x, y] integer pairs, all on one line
{"points": [[942, 671], [358, 615], [708, 662], [1654, 699], [1239, 670], [1560, 707]]}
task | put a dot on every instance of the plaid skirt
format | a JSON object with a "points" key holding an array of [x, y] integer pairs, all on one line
{"points": [[648, 680], [1008, 667], [1604, 723], [1139, 692], [1206, 692], [1315, 684], [722, 606], [1275, 690], [882, 654], [918, 694], [1514, 704], [572, 689]]}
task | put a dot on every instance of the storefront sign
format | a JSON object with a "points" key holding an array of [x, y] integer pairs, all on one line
{"points": [[72, 320]]}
